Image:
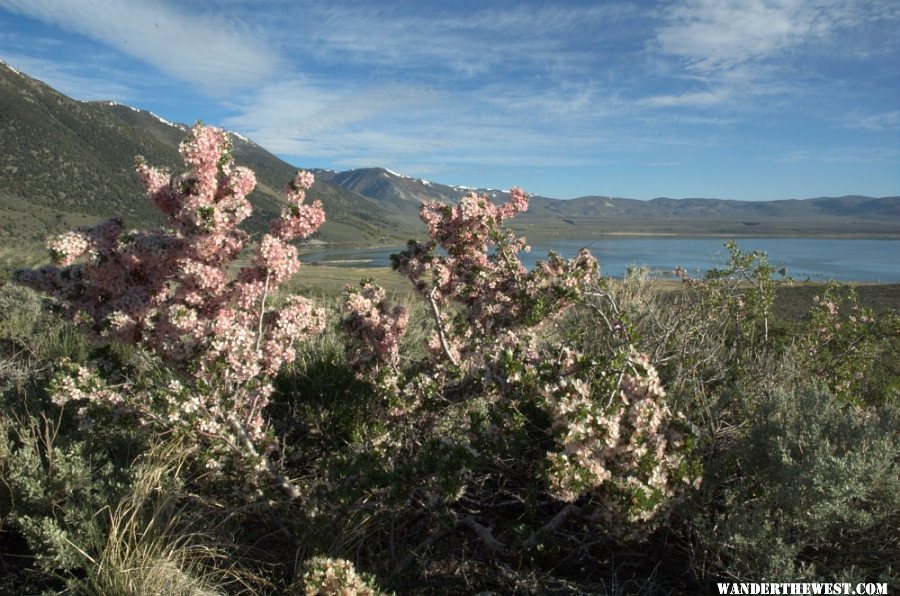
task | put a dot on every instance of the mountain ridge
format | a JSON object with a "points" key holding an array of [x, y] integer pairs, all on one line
{"points": [[598, 214], [66, 162]]}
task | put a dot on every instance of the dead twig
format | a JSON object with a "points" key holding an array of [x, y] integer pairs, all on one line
{"points": [[484, 534]]}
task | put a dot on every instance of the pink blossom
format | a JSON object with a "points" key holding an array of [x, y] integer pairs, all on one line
{"points": [[169, 289]]}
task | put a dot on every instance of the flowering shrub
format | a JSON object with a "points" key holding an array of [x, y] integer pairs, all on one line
{"points": [[482, 271], [604, 418], [335, 577], [626, 451], [375, 328], [168, 290], [851, 348]]}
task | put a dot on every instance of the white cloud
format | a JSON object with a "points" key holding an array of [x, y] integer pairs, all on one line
{"points": [[413, 126], [296, 115], [749, 55], [847, 155], [717, 34], [208, 50]]}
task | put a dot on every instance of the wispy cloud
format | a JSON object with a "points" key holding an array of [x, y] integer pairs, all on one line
{"points": [[301, 116], [733, 52], [713, 35], [408, 125], [846, 155], [389, 36], [873, 122], [69, 80], [717, 35], [692, 99], [205, 49]]}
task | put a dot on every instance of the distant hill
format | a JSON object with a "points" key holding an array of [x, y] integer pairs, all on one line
{"points": [[597, 215], [65, 162]]}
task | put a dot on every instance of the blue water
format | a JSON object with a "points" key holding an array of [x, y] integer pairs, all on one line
{"points": [[818, 259]]}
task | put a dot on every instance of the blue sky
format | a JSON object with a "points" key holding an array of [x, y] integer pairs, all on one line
{"points": [[738, 99]]}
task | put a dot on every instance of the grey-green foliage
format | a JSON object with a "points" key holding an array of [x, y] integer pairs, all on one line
{"points": [[55, 480], [53, 489], [31, 337], [811, 491]]}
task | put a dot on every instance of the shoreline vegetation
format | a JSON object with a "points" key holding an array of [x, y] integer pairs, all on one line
{"points": [[792, 297]]}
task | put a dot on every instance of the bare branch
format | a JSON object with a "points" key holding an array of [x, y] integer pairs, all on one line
{"points": [[281, 482], [484, 534], [262, 311], [442, 335], [553, 525]]}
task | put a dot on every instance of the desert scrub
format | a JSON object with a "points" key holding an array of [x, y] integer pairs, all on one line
{"points": [[94, 520], [53, 486], [712, 339], [809, 491], [55, 476], [320, 408], [32, 337]]}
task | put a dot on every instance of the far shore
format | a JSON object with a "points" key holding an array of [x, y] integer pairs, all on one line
{"points": [[320, 245]]}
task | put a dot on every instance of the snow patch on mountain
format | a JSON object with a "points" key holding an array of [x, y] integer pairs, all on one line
{"points": [[164, 121], [115, 103], [11, 68], [397, 174], [242, 137]]}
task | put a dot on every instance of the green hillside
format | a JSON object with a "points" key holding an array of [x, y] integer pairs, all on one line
{"points": [[66, 163]]}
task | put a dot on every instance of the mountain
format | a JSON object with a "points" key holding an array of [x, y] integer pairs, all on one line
{"points": [[386, 186], [596, 215], [65, 163]]}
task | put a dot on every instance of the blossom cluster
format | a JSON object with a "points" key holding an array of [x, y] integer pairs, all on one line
{"points": [[624, 450], [83, 386], [472, 259], [614, 441], [841, 342], [374, 328], [325, 576], [169, 289]]}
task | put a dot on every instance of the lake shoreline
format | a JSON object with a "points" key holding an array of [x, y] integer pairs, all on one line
{"points": [[812, 259], [536, 235]]}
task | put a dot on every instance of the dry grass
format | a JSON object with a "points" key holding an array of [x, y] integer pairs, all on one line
{"points": [[151, 546]]}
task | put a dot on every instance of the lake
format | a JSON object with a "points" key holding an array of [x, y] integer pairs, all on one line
{"points": [[818, 259]]}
